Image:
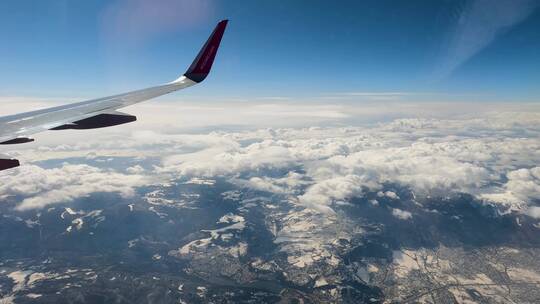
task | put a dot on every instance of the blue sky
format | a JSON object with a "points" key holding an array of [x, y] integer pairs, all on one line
{"points": [[427, 50]]}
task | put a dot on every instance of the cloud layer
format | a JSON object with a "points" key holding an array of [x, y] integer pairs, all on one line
{"points": [[492, 155], [42, 187]]}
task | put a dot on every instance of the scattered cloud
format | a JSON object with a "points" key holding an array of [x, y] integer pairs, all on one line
{"points": [[389, 194], [534, 212], [429, 155], [491, 154], [401, 214], [521, 189], [289, 184], [42, 187], [137, 169], [320, 195]]}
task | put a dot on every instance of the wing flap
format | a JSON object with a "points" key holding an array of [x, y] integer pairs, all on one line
{"points": [[8, 163], [18, 140], [98, 121]]}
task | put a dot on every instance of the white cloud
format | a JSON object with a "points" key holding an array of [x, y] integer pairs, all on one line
{"points": [[391, 195], [420, 165], [432, 148], [478, 25], [520, 190], [289, 184], [42, 187], [322, 194], [401, 214], [317, 166], [137, 169], [227, 160], [524, 183], [339, 163], [533, 212]]}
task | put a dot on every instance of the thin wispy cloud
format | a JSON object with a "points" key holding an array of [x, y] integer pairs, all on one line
{"points": [[478, 25], [138, 20], [401, 96], [378, 93], [374, 96]]}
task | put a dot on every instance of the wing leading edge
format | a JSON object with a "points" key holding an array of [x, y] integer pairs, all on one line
{"points": [[98, 113]]}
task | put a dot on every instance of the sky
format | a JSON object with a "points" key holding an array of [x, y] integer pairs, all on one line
{"points": [[310, 105], [314, 102], [316, 51]]}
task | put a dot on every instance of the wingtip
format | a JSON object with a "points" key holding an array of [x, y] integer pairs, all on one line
{"points": [[201, 66]]}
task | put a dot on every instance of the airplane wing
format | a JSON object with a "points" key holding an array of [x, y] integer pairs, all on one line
{"points": [[101, 112]]}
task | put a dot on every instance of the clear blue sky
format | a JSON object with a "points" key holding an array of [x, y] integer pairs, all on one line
{"points": [[273, 48]]}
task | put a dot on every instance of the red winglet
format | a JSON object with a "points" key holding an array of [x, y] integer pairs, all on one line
{"points": [[202, 64]]}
